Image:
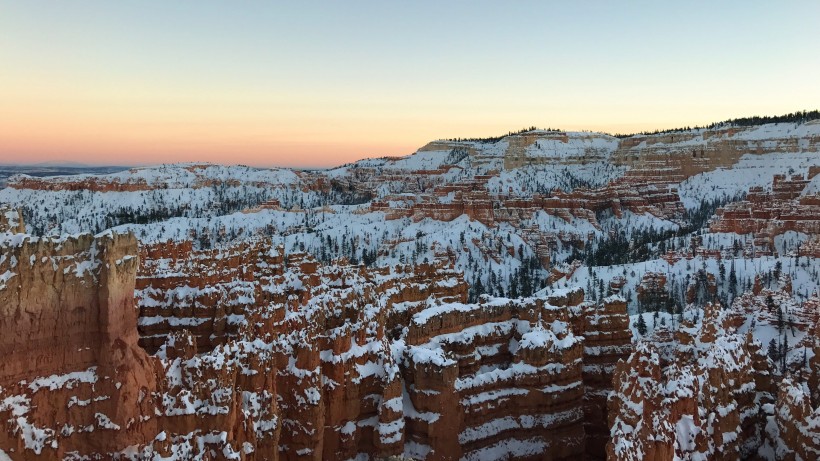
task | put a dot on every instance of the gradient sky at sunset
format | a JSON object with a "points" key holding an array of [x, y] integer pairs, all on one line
{"points": [[323, 83]]}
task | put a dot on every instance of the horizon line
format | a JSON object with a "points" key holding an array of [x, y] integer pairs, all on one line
{"points": [[754, 120]]}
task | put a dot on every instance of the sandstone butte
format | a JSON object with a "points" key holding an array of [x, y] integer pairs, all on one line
{"points": [[309, 361]]}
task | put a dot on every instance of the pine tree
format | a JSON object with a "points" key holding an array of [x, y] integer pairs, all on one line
{"points": [[773, 352], [770, 304], [783, 354], [641, 325]]}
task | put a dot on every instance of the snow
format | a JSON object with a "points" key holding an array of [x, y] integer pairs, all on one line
{"points": [[190, 207], [411, 412], [508, 449], [68, 380], [750, 171]]}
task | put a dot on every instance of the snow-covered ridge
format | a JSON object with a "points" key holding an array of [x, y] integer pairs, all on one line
{"points": [[174, 176]]}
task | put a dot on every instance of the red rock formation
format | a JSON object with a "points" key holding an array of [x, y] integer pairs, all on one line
{"points": [[769, 214], [11, 220], [605, 328], [72, 377], [496, 380], [491, 370], [652, 293], [471, 197], [703, 287], [204, 292], [798, 316], [94, 185], [672, 406], [798, 422], [709, 392]]}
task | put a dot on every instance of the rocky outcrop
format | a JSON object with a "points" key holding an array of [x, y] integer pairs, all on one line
{"points": [[205, 292], [555, 148], [471, 198], [699, 400], [515, 377], [797, 416], [706, 391], [768, 214], [687, 153], [495, 380], [326, 362], [72, 379], [11, 220]]}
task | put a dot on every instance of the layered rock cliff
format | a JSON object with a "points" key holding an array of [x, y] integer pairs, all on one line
{"points": [[73, 379], [325, 362], [275, 314]]}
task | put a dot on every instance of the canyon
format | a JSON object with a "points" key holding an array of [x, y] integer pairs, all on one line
{"points": [[542, 295], [314, 362]]}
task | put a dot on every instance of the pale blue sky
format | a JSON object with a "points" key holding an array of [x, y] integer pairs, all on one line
{"points": [[327, 82]]}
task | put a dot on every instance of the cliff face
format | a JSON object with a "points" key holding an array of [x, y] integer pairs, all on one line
{"points": [[688, 153], [72, 376], [79, 286], [321, 362], [790, 205]]}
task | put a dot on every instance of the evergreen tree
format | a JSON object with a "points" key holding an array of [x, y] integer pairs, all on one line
{"points": [[732, 281], [784, 349], [641, 325], [770, 304], [773, 352]]}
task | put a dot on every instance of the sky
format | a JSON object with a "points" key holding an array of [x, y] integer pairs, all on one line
{"points": [[316, 84]]}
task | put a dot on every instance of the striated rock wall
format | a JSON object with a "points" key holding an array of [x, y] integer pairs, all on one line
{"points": [[685, 154], [72, 378], [769, 214], [494, 380], [328, 362], [204, 292], [471, 198], [514, 376]]}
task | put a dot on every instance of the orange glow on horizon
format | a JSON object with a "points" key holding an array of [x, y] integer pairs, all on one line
{"points": [[106, 130], [290, 84]]}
